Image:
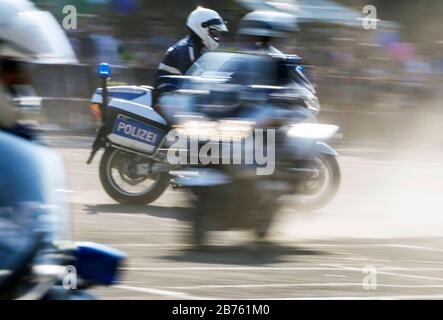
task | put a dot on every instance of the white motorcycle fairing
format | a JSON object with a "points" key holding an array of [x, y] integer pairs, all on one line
{"points": [[141, 94]]}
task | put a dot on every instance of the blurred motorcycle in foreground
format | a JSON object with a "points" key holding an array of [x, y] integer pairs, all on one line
{"points": [[250, 120], [36, 259]]}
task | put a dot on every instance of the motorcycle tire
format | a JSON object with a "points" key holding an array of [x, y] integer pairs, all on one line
{"points": [[332, 190], [160, 185]]}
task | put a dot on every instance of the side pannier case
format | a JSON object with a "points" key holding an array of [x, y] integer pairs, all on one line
{"points": [[133, 124]]}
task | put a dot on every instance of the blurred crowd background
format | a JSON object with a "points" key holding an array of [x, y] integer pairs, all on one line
{"points": [[362, 76]]}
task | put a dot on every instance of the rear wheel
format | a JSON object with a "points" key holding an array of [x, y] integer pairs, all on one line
{"points": [[121, 182]]}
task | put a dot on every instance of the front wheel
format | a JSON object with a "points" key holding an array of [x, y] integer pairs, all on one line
{"points": [[121, 182], [317, 191]]}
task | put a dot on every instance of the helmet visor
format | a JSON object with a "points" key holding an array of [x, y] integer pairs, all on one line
{"points": [[216, 23], [214, 33]]}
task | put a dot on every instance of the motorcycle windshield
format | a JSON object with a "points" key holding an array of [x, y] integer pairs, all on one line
{"points": [[244, 79], [236, 68]]}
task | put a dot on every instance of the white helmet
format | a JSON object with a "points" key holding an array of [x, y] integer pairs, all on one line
{"points": [[207, 24], [31, 34]]}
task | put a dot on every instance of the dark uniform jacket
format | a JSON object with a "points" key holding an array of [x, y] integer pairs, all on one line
{"points": [[178, 59]]}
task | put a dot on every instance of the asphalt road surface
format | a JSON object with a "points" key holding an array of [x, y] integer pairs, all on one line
{"points": [[380, 238]]}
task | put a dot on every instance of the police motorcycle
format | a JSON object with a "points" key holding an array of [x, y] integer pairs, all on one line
{"points": [[233, 104], [132, 171], [134, 168]]}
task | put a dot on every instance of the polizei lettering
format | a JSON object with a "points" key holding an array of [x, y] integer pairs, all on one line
{"points": [[137, 132]]}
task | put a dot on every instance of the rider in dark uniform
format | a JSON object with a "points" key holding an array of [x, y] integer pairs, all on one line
{"points": [[204, 27]]}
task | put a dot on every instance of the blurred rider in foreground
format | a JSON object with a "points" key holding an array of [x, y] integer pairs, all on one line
{"points": [[204, 27], [32, 212], [27, 35]]}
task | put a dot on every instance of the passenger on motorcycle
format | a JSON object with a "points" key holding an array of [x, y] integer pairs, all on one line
{"points": [[257, 29], [204, 27]]}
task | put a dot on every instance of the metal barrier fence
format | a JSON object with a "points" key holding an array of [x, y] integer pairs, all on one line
{"points": [[66, 91]]}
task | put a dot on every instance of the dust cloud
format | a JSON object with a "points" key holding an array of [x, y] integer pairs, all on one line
{"points": [[389, 190]]}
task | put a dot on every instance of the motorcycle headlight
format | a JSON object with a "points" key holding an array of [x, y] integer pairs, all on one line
{"points": [[234, 130], [313, 131], [196, 128], [224, 130]]}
